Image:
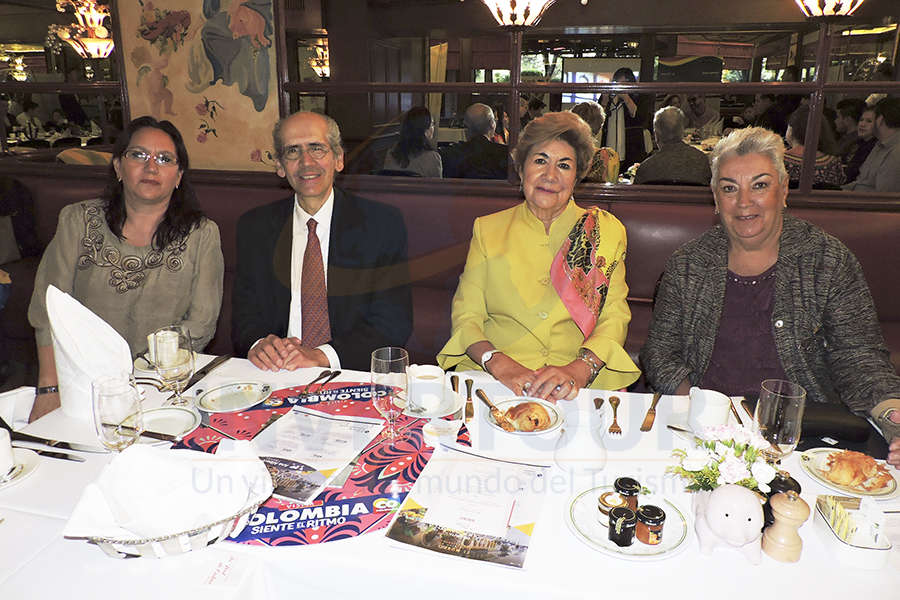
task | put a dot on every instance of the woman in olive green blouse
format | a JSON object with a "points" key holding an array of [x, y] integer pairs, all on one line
{"points": [[142, 257]]}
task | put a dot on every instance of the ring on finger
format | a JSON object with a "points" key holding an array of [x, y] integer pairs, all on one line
{"points": [[526, 385]]}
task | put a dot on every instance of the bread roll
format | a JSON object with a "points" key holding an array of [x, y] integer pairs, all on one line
{"points": [[529, 416]]}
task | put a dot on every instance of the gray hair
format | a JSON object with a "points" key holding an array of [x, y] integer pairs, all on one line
{"points": [[752, 140], [479, 120], [668, 125], [332, 134]]}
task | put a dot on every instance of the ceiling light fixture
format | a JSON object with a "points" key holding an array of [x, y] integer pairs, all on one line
{"points": [[89, 37], [828, 8], [518, 13]]}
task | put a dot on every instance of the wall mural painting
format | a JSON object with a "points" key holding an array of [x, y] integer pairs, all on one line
{"points": [[209, 67]]}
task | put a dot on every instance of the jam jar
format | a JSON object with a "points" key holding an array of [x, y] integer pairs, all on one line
{"points": [[649, 527], [622, 521], [629, 489], [606, 502]]}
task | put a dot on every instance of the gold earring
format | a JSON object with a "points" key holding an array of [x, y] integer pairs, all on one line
{"points": [[717, 210]]}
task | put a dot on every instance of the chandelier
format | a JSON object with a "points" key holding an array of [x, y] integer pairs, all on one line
{"points": [[17, 71], [88, 36], [518, 13], [828, 8]]}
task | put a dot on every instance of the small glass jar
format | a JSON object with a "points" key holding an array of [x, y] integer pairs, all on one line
{"points": [[629, 489], [650, 520], [622, 521]]}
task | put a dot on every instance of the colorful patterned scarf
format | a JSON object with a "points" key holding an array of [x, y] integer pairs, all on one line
{"points": [[580, 275]]}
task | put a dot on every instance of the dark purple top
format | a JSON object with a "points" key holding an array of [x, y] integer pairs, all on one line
{"points": [[744, 353]]}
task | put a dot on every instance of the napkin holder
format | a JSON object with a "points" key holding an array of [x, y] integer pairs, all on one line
{"points": [[178, 543]]}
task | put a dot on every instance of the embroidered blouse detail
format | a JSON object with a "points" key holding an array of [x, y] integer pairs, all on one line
{"points": [[126, 272]]}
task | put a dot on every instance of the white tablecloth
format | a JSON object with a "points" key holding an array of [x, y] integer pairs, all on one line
{"points": [[35, 562]]}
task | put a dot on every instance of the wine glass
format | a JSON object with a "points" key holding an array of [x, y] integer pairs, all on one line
{"points": [[173, 358], [118, 416], [389, 385], [778, 415]]}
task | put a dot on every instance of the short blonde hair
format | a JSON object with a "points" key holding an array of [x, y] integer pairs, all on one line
{"points": [[752, 140], [565, 126]]}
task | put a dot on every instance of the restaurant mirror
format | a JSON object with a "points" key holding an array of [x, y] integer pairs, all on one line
{"points": [[373, 124]]}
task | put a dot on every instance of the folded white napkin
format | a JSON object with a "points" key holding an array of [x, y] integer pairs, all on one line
{"points": [[148, 491], [85, 347]]}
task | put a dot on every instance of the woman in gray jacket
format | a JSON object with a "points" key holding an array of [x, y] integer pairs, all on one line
{"points": [[764, 295]]}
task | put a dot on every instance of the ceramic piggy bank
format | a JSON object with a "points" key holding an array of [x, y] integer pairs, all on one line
{"points": [[729, 516]]}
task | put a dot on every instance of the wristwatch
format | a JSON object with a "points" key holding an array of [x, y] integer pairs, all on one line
{"points": [[486, 357]]}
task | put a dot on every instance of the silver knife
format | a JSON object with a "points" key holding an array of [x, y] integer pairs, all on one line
{"points": [[213, 364], [18, 436], [51, 454]]}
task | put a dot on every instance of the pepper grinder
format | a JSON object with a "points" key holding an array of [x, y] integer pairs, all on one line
{"points": [[781, 540], [783, 482]]}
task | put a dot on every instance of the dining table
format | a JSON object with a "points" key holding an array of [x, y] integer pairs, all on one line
{"points": [[37, 561]]}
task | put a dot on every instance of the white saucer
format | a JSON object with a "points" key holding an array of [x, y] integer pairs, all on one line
{"points": [[142, 367], [28, 460], [173, 420], [449, 404]]}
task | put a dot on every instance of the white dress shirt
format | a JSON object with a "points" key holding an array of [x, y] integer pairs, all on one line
{"points": [[298, 248]]}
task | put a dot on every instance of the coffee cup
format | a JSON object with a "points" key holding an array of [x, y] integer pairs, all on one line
{"points": [[426, 388], [708, 408], [7, 460]]}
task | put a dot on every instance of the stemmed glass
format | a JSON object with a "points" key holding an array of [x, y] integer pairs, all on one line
{"points": [[778, 416], [118, 416], [173, 358], [389, 385]]}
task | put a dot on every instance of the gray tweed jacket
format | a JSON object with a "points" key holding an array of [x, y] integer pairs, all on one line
{"points": [[827, 334]]}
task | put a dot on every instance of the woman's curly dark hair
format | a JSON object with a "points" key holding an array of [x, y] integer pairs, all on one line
{"points": [[412, 141], [182, 215]]}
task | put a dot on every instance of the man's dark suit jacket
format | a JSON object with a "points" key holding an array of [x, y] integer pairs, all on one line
{"points": [[369, 298], [478, 158]]}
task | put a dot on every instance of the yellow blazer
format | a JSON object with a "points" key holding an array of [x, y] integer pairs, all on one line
{"points": [[505, 296]]}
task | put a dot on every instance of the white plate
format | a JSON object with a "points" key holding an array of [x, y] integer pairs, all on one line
{"points": [[814, 462], [173, 420], [556, 415], [581, 517], [233, 397], [450, 404], [29, 460]]}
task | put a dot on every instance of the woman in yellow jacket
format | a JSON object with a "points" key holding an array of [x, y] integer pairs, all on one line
{"points": [[541, 304]]}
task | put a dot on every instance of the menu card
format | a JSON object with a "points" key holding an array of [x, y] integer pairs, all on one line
{"points": [[472, 506], [305, 449]]}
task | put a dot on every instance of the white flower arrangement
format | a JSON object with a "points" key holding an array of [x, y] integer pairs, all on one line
{"points": [[725, 454]]}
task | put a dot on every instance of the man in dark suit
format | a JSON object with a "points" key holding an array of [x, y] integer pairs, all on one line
{"points": [[478, 157], [287, 313]]}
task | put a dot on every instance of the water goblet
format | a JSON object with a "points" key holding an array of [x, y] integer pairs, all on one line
{"points": [[173, 358], [389, 386], [118, 416], [778, 416]]}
